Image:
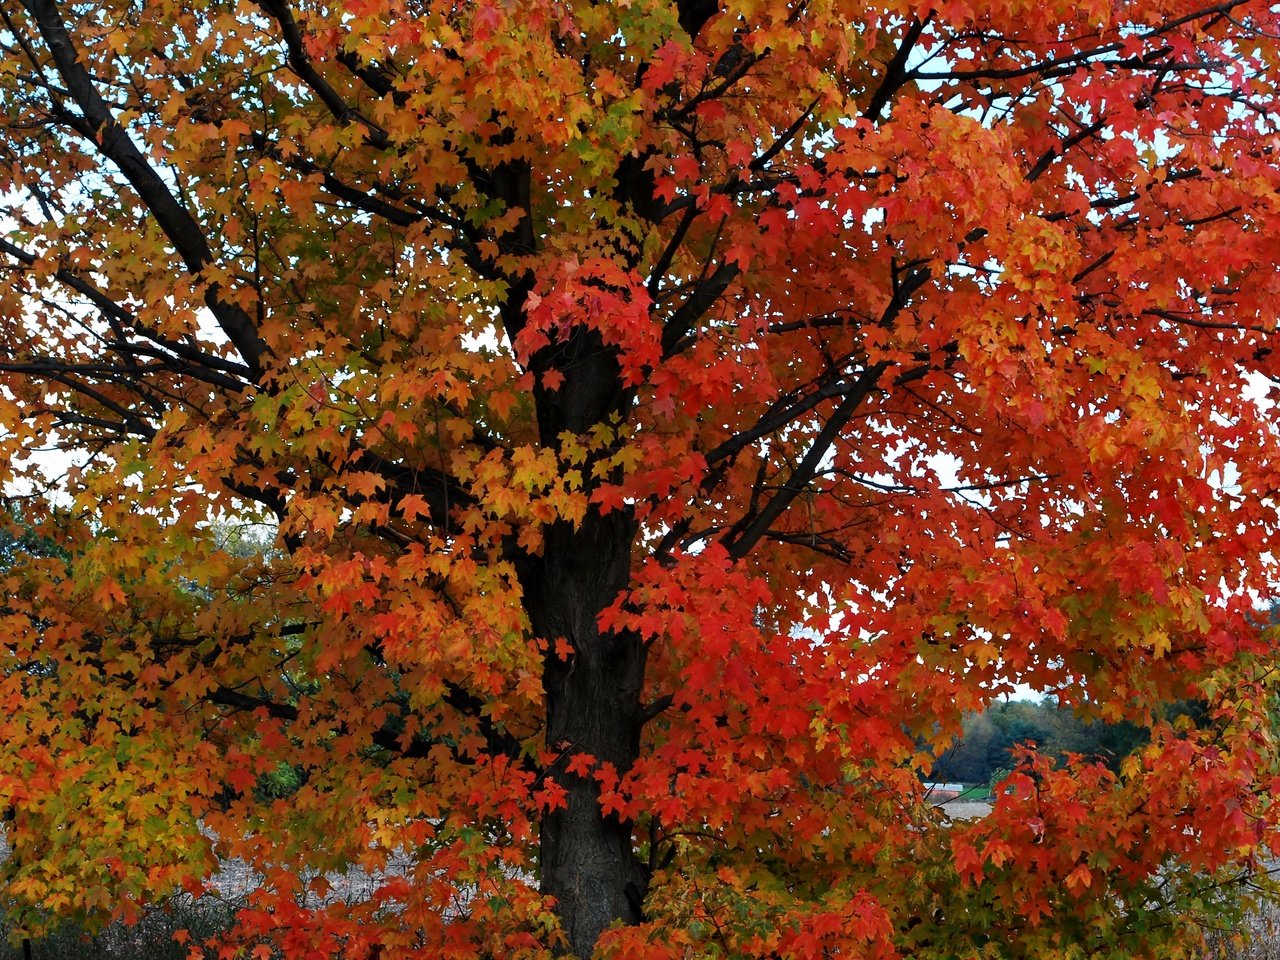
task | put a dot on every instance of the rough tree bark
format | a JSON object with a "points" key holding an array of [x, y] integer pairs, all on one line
{"points": [[593, 696], [593, 707]]}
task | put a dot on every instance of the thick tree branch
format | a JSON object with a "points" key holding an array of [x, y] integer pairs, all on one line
{"points": [[302, 67], [1049, 156], [113, 142], [675, 332], [743, 536], [693, 14], [895, 71], [777, 417]]}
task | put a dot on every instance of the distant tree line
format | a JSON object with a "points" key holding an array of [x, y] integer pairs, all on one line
{"points": [[986, 748]]}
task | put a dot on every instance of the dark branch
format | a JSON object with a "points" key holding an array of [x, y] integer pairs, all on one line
{"points": [[745, 534], [694, 14], [112, 141], [302, 67], [675, 332], [895, 71]]}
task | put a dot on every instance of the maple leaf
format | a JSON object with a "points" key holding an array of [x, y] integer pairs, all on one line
{"points": [[241, 779]]}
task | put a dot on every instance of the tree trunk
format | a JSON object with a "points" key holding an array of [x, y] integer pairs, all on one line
{"points": [[593, 706]]}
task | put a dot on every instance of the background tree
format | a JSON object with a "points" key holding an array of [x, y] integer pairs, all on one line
{"points": [[989, 741], [668, 412]]}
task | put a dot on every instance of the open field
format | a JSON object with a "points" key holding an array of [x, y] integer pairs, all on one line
{"points": [[961, 809]]}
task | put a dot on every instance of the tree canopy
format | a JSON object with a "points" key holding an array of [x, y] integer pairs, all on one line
{"points": [[669, 421]]}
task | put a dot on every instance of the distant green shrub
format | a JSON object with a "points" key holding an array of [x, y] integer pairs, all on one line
{"points": [[279, 784]]}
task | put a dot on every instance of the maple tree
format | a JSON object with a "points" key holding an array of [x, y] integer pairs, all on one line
{"points": [[664, 422]]}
